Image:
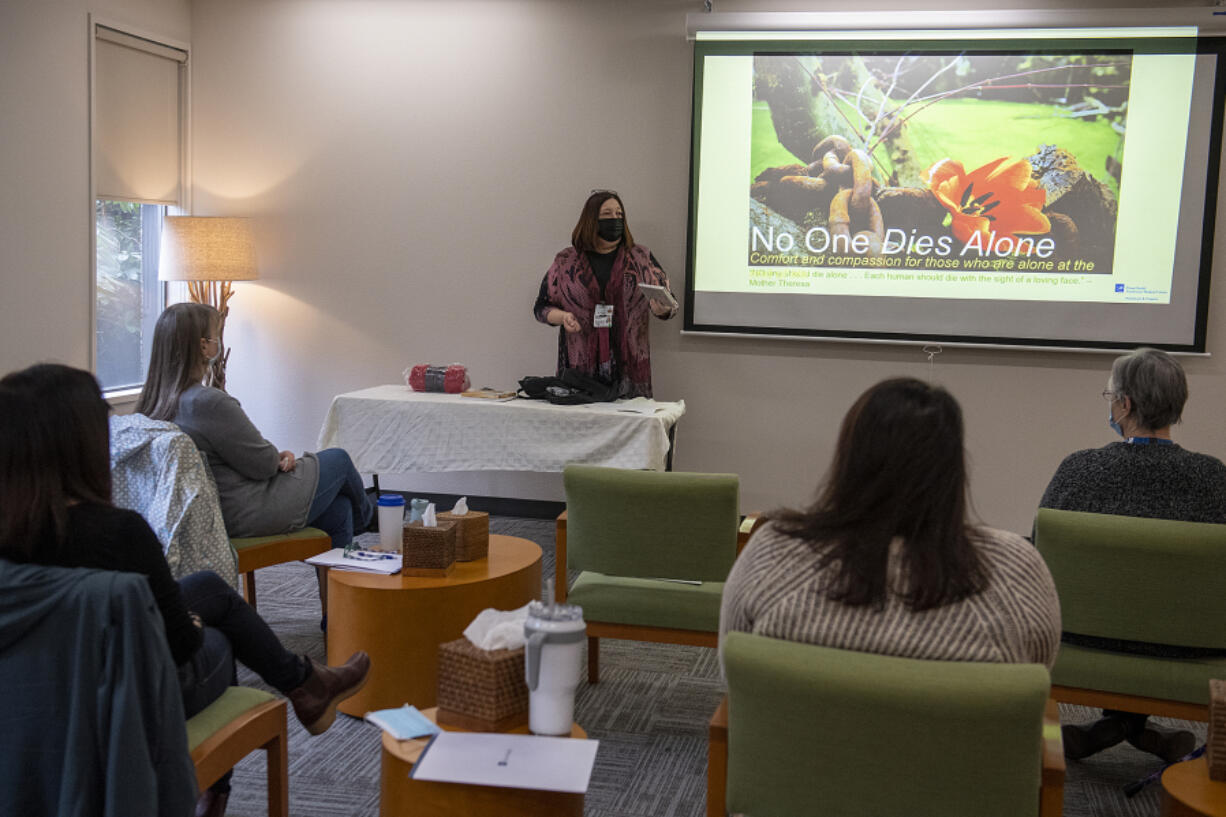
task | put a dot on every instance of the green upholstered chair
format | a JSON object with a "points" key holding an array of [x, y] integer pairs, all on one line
{"points": [[263, 551], [629, 532], [1136, 579], [813, 730], [238, 723]]}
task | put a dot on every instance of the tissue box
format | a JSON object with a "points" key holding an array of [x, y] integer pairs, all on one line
{"points": [[428, 551], [1216, 751], [481, 690], [472, 539]]}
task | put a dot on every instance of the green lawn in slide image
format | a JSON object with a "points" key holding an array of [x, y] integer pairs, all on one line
{"points": [[951, 129], [974, 132]]}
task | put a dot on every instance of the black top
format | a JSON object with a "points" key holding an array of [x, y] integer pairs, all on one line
{"points": [[602, 267], [109, 538], [1153, 481]]}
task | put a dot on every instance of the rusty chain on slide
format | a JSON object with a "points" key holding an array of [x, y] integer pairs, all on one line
{"points": [[853, 211]]}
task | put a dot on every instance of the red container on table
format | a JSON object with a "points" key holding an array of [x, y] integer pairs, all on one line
{"points": [[452, 379]]}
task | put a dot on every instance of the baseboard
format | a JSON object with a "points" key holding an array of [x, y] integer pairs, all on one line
{"points": [[494, 505]]}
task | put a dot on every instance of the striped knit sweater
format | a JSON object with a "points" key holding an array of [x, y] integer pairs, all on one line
{"points": [[776, 589]]}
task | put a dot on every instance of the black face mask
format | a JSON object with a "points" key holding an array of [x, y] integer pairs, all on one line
{"points": [[610, 229]]}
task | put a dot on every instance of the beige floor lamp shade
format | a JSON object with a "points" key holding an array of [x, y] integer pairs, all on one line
{"points": [[209, 252]]}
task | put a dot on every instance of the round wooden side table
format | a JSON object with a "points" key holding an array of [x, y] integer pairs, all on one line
{"points": [[401, 620], [1190, 792], [402, 796]]}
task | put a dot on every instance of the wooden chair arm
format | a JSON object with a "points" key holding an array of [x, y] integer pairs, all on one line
{"points": [[749, 523], [1051, 786], [559, 560], [717, 761]]}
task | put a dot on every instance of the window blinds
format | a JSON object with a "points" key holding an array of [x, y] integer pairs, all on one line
{"points": [[137, 118]]}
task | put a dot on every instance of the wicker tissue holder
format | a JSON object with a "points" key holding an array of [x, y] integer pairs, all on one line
{"points": [[481, 690], [428, 551], [472, 539], [1216, 752]]}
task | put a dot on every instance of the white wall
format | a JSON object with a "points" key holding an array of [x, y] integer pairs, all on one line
{"points": [[46, 215], [414, 166]]}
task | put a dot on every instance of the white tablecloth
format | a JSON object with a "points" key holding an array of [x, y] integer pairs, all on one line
{"points": [[391, 429]]}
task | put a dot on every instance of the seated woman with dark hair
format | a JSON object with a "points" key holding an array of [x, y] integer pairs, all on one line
{"points": [[55, 488], [1147, 475], [886, 561]]}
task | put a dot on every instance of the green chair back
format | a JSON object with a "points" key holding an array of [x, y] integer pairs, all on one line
{"points": [[1124, 577], [820, 731], [651, 524]]}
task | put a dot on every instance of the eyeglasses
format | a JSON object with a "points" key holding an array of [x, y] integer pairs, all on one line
{"points": [[1110, 396], [610, 192]]}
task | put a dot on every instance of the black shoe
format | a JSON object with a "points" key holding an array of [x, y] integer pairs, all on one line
{"points": [[212, 804], [1082, 741], [1170, 746]]}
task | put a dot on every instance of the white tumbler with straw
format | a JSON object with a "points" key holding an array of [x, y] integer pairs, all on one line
{"points": [[554, 635]]}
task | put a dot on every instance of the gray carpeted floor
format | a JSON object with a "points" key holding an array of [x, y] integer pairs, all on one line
{"points": [[649, 711]]}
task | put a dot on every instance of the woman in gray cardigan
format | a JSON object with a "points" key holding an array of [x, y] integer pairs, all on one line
{"points": [[263, 491]]}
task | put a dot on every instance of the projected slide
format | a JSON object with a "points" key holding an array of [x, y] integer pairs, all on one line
{"points": [[1023, 170]]}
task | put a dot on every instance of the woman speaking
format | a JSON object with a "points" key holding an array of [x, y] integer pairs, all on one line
{"points": [[592, 293]]}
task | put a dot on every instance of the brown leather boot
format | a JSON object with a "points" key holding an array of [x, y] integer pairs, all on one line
{"points": [[316, 699], [1170, 746], [1085, 740]]}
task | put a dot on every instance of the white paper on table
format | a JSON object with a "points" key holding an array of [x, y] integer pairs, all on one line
{"points": [[638, 405], [336, 559], [509, 761], [644, 406]]}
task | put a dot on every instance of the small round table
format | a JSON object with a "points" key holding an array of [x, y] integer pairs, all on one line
{"points": [[401, 620], [1190, 792], [402, 796]]}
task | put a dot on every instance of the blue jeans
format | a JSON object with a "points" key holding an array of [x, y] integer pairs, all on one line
{"points": [[340, 505]]}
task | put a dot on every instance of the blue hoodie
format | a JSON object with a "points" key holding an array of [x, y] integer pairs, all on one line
{"points": [[94, 720]]}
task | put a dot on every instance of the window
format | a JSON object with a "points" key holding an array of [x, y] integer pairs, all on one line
{"points": [[139, 90], [128, 296]]}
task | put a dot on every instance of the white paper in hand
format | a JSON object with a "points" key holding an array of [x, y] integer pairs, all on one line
{"points": [[659, 294]]}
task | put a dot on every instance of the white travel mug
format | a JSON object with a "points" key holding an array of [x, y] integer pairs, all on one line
{"points": [[391, 521], [554, 635]]}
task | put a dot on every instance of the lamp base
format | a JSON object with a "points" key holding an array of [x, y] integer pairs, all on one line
{"points": [[217, 295]]}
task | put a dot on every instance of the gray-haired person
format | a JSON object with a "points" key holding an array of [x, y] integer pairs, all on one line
{"points": [[1145, 475]]}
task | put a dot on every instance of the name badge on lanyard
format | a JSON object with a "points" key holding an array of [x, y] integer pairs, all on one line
{"points": [[603, 318]]}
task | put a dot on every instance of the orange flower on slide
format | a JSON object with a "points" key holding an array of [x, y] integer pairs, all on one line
{"points": [[999, 197]]}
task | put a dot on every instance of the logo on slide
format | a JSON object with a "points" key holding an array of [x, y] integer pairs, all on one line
{"points": [[1119, 287]]}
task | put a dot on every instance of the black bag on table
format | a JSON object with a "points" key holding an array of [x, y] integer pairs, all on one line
{"points": [[572, 388]]}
